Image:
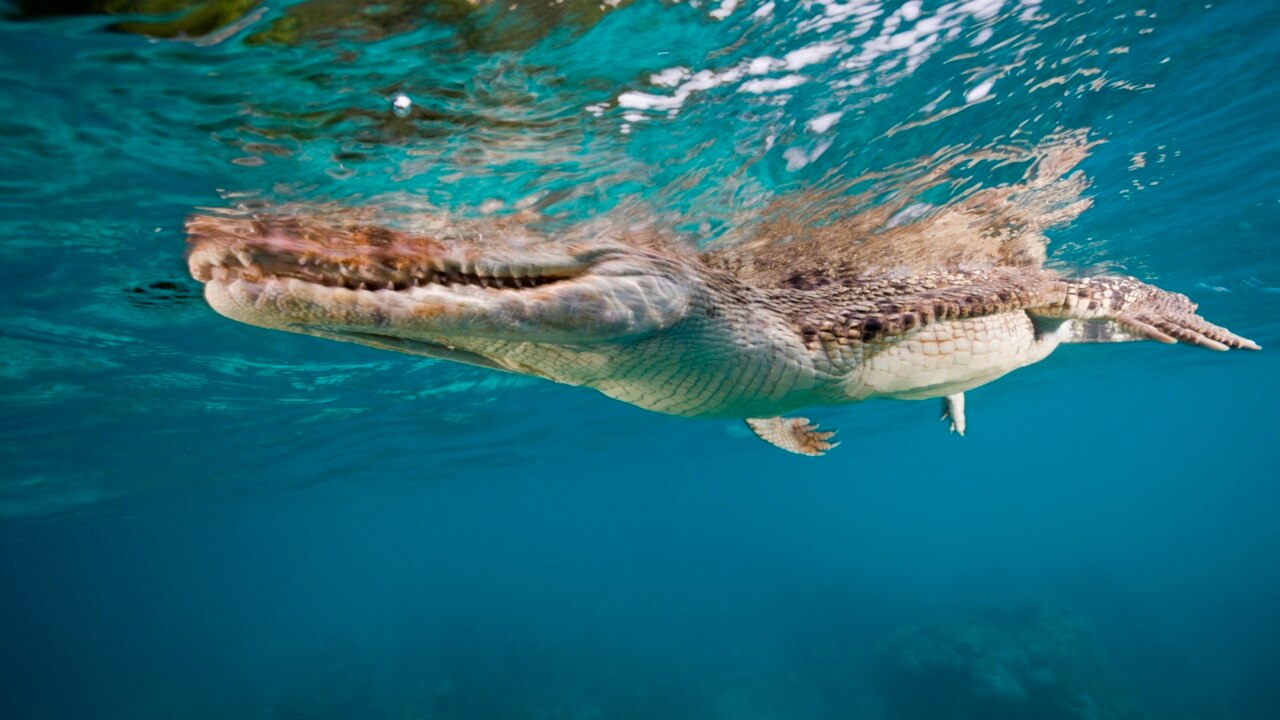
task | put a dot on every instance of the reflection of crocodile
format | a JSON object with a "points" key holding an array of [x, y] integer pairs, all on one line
{"points": [[649, 322], [481, 25]]}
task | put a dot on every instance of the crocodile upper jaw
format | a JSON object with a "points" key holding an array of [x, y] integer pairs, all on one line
{"points": [[430, 296]]}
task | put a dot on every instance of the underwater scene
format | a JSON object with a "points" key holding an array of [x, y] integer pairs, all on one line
{"points": [[390, 359]]}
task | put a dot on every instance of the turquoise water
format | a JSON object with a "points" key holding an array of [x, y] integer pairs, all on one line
{"points": [[201, 519]]}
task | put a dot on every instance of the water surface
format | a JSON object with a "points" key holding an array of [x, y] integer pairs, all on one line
{"points": [[203, 519]]}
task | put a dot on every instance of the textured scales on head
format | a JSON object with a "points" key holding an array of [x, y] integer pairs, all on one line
{"points": [[874, 296]]}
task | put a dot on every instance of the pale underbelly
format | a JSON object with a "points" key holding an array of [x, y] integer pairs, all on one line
{"points": [[951, 357], [939, 359]]}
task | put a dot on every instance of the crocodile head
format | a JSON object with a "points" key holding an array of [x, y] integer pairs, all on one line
{"points": [[518, 303]]}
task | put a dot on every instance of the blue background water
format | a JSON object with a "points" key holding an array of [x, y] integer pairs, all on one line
{"points": [[203, 519]]}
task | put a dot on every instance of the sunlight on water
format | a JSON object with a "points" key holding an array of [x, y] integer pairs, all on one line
{"points": [[199, 518]]}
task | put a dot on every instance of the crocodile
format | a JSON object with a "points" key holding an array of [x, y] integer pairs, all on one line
{"points": [[754, 332]]}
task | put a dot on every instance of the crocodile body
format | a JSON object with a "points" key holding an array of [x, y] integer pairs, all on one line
{"points": [[645, 319]]}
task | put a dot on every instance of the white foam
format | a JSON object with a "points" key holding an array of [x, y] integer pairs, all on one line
{"points": [[901, 40], [725, 10], [764, 85], [809, 55], [646, 101], [798, 157], [919, 47], [896, 43], [928, 26], [823, 123], [761, 65], [982, 9], [670, 77], [835, 13], [979, 91]]}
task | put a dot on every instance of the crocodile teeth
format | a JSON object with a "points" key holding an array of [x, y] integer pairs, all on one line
{"points": [[393, 275]]}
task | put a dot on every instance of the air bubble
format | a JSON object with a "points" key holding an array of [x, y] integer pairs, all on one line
{"points": [[401, 105]]}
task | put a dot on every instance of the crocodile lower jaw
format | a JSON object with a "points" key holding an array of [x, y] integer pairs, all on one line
{"points": [[348, 281]]}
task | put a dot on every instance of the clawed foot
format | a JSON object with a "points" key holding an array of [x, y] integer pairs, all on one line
{"points": [[795, 435], [1170, 317], [953, 409]]}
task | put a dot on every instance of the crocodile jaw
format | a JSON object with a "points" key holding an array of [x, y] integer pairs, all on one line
{"points": [[437, 297]]}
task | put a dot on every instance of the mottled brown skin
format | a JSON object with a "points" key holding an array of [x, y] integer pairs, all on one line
{"points": [[828, 313], [646, 320]]}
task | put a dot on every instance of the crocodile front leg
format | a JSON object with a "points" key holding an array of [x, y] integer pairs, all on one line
{"points": [[795, 435], [1126, 308]]}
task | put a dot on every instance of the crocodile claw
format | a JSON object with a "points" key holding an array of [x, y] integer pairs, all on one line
{"points": [[1170, 317], [795, 435], [1188, 328]]}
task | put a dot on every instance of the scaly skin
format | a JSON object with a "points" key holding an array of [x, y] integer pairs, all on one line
{"points": [[651, 323]]}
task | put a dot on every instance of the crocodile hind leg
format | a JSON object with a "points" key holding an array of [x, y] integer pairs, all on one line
{"points": [[953, 410], [795, 435], [1109, 309]]}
